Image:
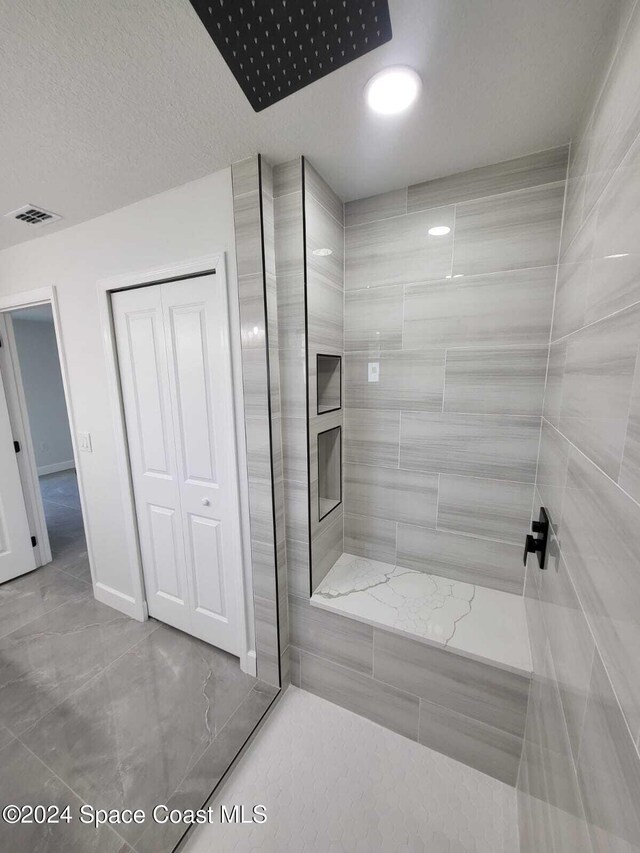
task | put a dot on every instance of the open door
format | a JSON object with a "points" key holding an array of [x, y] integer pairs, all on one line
{"points": [[16, 550]]}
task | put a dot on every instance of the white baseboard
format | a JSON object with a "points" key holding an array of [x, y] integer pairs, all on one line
{"points": [[120, 601], [55, 467]]}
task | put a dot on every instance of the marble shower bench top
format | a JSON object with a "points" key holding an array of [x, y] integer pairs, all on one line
{"points": [[474, 621]]}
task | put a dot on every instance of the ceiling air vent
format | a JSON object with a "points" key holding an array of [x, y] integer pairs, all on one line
{"points": [[32, 215]]}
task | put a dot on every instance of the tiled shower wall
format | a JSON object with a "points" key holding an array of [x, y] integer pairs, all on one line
{"points": [[441, 453], [467, 709], [579, 784]]}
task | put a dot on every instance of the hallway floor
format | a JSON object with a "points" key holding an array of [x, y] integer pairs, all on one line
{"points": [[98, 708], [334, 782]]}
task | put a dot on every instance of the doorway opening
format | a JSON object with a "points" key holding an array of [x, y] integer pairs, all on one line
{"points": [[45, 525], [40, 396]]}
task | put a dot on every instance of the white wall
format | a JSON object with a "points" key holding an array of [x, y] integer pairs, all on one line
{"points": [[44, 393], [190, 221]]}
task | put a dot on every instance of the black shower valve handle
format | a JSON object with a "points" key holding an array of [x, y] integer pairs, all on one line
{"points": [[531, 545], [538, 544]]}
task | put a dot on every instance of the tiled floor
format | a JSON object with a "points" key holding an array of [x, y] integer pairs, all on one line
{"points": [[98, 708], [332, 781], [483, 623]]}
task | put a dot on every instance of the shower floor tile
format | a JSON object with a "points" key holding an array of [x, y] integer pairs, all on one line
{"points": [[485, 624], [333, 781]]}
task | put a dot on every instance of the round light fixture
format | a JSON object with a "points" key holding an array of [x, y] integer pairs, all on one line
{"points": [[393, 90], [322, 253], [439, 230]]}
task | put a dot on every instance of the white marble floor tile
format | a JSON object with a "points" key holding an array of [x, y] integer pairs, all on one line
{"points": [[481, 623], [333, 781]]}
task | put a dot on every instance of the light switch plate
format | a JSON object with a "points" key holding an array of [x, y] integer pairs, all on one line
{"points": [[84, 442], [374, 371]]}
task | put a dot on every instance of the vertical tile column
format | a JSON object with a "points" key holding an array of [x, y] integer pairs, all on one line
{"points": [[324, 230], [255, 250]]}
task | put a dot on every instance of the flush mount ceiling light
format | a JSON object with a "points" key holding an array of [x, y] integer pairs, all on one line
{"points": [[393, 90], [322, 253], [439, 230]]}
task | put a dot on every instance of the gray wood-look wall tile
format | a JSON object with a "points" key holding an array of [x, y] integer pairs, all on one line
{"points": [[294, 665], [477, 690], [398, 250], [297, 516], [381, 703], [317, 187], [511, 231], [327, 545], [553, 462], [497, 509], [543, 167], [293, 378], [382, 206], [324, 316], [497, 565], [552, 777], [289, 242], [488, 749], [408, 379], [370, 537], [596, 387], [498, 309], [630, 468], [392, 494], [495, 380], [343, 641], [373, 319], [245, 176], [266, 640], [608, 770], [495, 446], [294, 446], [298, 568], [601, 543], [553, 388], [372, 437], [573, 278], [324, 232], [570, 642], [287, 177], [246, 212], [616, 117], [614, 275]]}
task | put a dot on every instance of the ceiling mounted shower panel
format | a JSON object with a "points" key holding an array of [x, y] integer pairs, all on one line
{"points": [[277, 47]]}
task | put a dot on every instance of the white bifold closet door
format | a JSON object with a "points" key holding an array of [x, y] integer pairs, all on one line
{"points": [[175, 371]]}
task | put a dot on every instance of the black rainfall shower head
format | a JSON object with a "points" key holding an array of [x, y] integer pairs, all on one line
{"points": [[276, 47]]}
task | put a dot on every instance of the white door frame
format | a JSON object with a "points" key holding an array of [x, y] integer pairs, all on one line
{"points": [[156, 275], [28, 299]]}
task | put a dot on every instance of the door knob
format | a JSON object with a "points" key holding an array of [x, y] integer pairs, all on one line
{"points": [[205, 501]]}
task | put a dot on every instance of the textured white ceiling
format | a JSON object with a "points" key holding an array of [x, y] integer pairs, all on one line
{"points": [[105, 102]]}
